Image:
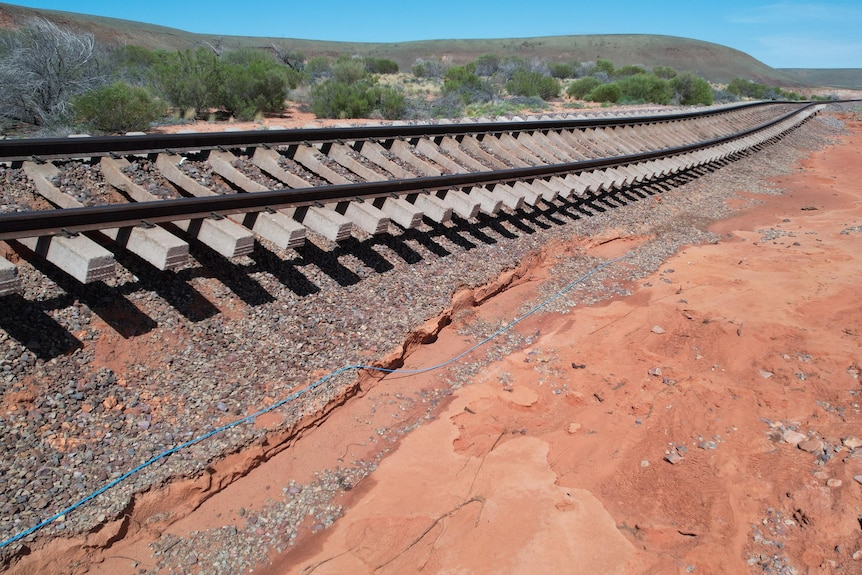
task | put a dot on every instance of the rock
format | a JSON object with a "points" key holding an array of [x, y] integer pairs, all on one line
{"points": [[765, 374], [858, 478], [657, 329], [857, 555], [574, 428], [644, 463], [834, 483], [656, 371], [811, 445], [793, 437], [673, 458], [852, 442], [821, 476]]}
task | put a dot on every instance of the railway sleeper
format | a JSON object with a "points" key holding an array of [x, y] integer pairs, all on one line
{"points": [[154, 245], [10, 281]]}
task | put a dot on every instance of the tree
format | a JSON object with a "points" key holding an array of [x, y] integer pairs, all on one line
{"points": [[42, 67]]}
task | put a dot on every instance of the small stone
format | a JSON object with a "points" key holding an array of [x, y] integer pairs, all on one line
{"points": [[811, 445], [673, 458], [765, 374], [857, 555], [852, 442], [221, 406], [644, 463], [858, 478], [574, 428], [656, 371], [834, 483], [793, 437], [821, 476], [658, 329]]}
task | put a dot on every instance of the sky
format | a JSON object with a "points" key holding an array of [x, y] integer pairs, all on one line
{"points": [[782, 34]]}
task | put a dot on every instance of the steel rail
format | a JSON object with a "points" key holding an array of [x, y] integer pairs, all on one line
{"points": [[56, 148], [48, 222]]}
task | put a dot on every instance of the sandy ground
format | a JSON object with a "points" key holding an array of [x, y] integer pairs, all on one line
{"points": [[738, 361]]}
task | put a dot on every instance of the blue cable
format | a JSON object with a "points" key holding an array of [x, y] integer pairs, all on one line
{"points": [[300, 393]]}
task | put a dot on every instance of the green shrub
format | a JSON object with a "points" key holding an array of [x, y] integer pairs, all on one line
{"points": [[645, 88], [511, 64], [118, 108], [188, 80], [348, 70], [605, 93], [605, 66], [692, 90], [563, 70], [628, 71], [381, 66], [747, 89], [133, 63], [318, 67], [458, 77], [428, 68], [252, 82], [664, 72], [581, 87], [246, 91], [527, 83], [336, 99], [486, 64], [463, 82]]}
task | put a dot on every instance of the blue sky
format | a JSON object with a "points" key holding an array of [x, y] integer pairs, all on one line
{"points": [[783, 34]]}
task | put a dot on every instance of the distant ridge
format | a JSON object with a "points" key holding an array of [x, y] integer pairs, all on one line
{"points": [[714, 62], [835, 77]]}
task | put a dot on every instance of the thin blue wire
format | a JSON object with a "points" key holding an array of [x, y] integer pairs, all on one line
{"points": [[298, 394]]}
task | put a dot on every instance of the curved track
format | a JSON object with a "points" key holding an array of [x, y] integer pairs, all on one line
{"points": [[229, 189]]}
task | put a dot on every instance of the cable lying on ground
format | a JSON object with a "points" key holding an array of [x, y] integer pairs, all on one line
{"points": [[299, 393]]}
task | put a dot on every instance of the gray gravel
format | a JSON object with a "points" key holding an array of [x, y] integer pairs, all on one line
{"points": [[70, 425]]}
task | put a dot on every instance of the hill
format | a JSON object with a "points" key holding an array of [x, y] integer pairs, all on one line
{"points": [[836, 77], [712, 61]]}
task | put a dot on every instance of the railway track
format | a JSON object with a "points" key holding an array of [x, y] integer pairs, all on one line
{"points": [[171, 367], [152, 195]]}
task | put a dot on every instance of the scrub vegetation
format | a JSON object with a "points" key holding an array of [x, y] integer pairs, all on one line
{"points": [[56, 79]]}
